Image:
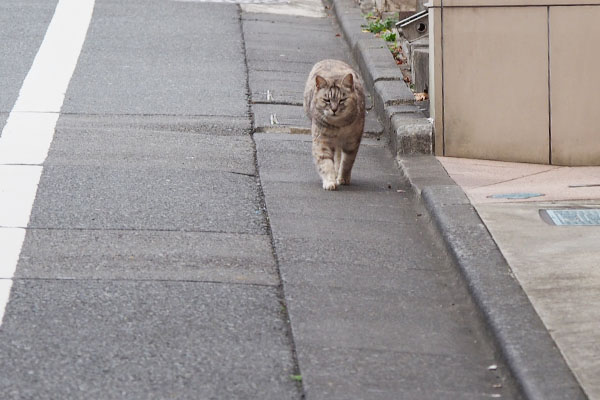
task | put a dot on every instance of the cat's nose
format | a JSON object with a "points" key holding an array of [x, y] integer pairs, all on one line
{"points": [[334, 108]]}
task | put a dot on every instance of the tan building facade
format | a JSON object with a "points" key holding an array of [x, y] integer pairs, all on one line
{"points": [[516, 80]]}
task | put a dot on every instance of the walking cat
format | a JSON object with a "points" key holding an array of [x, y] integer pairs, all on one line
{"points": [[334, 101]]}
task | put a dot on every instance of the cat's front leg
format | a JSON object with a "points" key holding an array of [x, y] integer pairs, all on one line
{"points": [[323, 155], [337, 159], [346, 164]]}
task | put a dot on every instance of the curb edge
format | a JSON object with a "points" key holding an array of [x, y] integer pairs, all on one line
{"points": [[379, 66], [524, 343]]}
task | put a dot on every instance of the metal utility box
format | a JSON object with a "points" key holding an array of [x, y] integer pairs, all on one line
{"points": [[414, 27], [516, 80]]}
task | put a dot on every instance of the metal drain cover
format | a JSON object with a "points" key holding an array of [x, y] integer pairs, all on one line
{"points": [[572, 216]]}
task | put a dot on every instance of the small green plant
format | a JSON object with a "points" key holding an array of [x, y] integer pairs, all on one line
{"points": [[389, 36], [369, 16], [378, 26], [297, 378]]}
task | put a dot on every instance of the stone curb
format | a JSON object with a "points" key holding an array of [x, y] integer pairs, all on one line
{"points": [[413, 132], [524, 342]]}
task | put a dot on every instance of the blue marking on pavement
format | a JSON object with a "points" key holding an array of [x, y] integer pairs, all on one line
{"points": [[515, 195]]}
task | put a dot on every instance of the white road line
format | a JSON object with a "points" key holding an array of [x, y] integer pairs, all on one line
{"points": [[11, 240], [26, 137], [18, 185], [30, 127]]}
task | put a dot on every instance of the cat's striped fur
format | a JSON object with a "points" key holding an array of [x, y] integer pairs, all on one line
{"points": [[334, 101]]}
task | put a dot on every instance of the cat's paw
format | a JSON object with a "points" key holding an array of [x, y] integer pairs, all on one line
{"points": [[329, 185], [343, 181]]}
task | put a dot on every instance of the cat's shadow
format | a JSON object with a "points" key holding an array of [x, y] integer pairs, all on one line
{"points": [[364, 185]]}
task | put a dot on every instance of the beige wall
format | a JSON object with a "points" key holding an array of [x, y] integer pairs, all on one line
{"points": [[435, 79], [516, 83], [575, 78], [508, 3]]}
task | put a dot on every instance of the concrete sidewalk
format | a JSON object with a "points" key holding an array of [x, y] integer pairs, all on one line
{"points": [[556, 265], [526, 342], [376, 308]]}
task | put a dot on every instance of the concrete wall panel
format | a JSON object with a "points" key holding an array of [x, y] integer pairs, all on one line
{"points": [[575, 85], [495, 83], [509, 3]]}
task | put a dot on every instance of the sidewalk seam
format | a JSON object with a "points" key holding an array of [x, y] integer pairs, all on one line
{"points": [[285, 316]]}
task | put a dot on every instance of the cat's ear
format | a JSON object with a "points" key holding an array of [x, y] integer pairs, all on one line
{"points": [[320, 82], [348, 82]]}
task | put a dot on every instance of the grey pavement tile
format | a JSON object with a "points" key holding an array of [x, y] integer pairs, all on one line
{"points": [[306, 179], [297, 41], [299, 202], [150, 198], [279, 66], [401, 319], [302, 55], [149, 67], [214, 125], [356, 225], [144, 340], [371, 171], [342, 245], [277, 94], [147, 142], [291, 21], [147, 255], [347, 373], [368, 276], [281, 115], [284, 87]]}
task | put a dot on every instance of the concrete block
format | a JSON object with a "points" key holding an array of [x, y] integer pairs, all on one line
{"points": [[394, 92], [423, 171], [391, 93], [412, 135], [420, 70], [390, 128], [402, 109], [376, 61]]}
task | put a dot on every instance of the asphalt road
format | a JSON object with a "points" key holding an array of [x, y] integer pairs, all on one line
{"points": [[151, 267], [147, 269]]}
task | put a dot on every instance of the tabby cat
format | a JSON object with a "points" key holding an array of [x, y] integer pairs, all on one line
{"points": [[334, 101]]}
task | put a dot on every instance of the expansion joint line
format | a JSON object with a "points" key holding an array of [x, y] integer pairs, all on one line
{"points": [[284, 309]]}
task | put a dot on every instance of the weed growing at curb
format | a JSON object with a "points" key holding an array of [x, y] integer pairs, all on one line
{"points": [[381, 28]]}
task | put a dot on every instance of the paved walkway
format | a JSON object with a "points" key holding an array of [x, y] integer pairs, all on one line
{"points": [[557, 266], [376, 307]]}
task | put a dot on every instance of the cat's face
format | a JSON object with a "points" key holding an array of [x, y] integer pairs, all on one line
{"points": [[335, 100]]}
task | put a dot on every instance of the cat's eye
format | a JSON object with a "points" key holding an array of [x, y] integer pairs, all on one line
{"points": [[342, 101], [326, 100]]}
